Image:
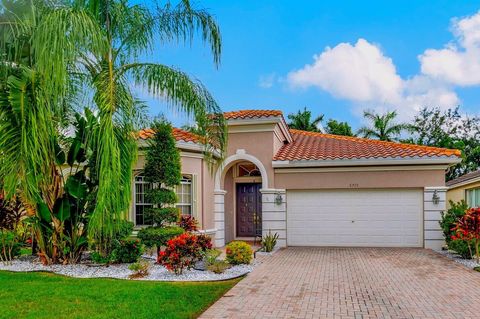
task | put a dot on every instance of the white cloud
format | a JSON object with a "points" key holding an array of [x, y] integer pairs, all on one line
{"points": [[363, 74], [457, 63], [360, 72], [267, 81]]}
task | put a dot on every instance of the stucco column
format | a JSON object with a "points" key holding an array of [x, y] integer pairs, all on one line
{"points": [[274, 215], [433, 235], [219, 217]]}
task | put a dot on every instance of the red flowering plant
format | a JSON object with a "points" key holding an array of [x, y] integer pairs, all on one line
{"points": [[467, 228], [188, 223], [183, 251]]}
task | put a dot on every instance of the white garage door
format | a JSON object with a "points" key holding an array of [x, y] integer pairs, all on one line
{"points": [[368, 218]]}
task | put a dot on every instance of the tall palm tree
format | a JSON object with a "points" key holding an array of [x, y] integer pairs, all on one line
{"points": [[130, 32], [383, 127], [302, 120], [55, 54]]}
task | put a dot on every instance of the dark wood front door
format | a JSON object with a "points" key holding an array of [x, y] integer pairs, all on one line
{"points": [[249, 209]]}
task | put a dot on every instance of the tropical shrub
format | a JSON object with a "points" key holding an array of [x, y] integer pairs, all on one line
{"points": [[239, 252], [210, 256], [125, 229], [218, 266], [9, 245], [448, 222], [127, 251], [204, 242], [188, 223], [140, 269], [181, 253], [269, 241], [467, 228], [157, 237], [99, 258]]}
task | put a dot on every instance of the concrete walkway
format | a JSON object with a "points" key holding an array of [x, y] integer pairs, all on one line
{"points": [[353, 283]]}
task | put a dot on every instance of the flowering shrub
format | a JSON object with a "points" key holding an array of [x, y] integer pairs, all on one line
{"points": [[188, 223], [204, 242], [182, 252], [239, 252], [127, 251], [467, 228]]}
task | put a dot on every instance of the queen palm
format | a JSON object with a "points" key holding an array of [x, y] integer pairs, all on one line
{"points": [[383, 126], [93, 48], [130, 32]]}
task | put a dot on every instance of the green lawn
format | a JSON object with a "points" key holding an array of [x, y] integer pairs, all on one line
{"points": [[44, 295]]}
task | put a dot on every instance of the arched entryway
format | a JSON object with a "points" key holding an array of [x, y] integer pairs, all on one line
{"points": [[239, 184]]}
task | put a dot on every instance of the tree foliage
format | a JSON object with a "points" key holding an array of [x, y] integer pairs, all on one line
{"points": [[302, 120], [339, 128], [449, 129], [382, 126], [162, 169]]}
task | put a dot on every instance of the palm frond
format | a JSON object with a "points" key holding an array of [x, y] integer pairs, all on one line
{"points": [[181, 22], [191, 97]]}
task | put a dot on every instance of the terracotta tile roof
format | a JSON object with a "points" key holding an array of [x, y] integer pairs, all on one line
{"points": [[464, 178], [179, 134], [318, 146], [250, 114]]}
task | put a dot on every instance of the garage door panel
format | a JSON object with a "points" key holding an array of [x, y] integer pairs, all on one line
{"points": [[355, 218]]}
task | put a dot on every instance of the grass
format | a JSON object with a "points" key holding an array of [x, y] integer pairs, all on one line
{"points": [[44, 295]]}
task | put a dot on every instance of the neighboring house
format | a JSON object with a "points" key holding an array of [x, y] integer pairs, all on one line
{"points": [[312, 189], [466, 187]]}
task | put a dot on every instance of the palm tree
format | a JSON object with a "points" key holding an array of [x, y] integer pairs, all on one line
{"points": [[302, 120], [130, 31], [58, 54], [382, 127]]}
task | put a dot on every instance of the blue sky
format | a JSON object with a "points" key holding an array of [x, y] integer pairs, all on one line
{"points": [[373, 62]]}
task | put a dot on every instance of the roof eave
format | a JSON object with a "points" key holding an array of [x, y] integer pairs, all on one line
{"points": [[448, 161], [464, 183]]}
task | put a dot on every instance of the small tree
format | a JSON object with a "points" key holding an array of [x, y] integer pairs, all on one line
{"points": [[163, 170], [339, 128], [468, 228]]}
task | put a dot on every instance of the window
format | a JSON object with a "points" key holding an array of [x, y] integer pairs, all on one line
{"points": [[473, 197], [184, 195], [141, 204]]}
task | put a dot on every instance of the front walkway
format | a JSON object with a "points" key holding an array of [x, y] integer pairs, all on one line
{"points": [[353, 283]]}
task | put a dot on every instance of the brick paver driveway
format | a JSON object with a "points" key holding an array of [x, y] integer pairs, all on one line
{"points": [[353, 283]]}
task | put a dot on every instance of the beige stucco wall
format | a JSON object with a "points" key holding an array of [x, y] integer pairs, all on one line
{"points": [[458, 193], [359, 179], [258, 144]]}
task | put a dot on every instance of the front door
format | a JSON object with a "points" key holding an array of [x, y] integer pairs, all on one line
{"points": [[249, 210]]}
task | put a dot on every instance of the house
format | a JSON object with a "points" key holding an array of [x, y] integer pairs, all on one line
{"points": [[312, 189], [465, 187]]}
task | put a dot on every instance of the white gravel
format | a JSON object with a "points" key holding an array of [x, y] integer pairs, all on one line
{"points": [[470, 263], [121, 271]]}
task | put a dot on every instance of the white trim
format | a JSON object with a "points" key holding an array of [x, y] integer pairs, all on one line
{"points": [[241, 155], [366, 162], [359, 169]]}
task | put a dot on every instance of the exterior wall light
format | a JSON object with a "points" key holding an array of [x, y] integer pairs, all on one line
{"points": [[278, 199], [435, 198]]}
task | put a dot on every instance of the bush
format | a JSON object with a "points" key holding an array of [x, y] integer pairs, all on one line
{"points": [[140, 269], [448, 222], [467, 228], [98, 258], [218, 266], [181, 253], [158, 236], [269, 241], [125, 229], [239, 252], [204, 242], [9, 245], [127, 251], [188, 223]]}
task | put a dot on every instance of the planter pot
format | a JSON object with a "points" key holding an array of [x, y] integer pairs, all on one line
{"points": [[200, 265]]}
